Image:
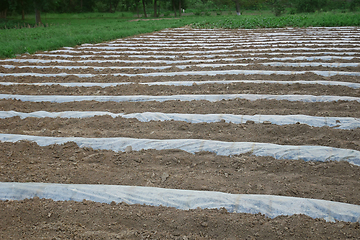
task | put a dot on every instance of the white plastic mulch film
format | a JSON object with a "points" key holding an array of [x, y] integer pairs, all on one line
{"points": [[184, 83], [326, 56], [185, 97], [209, 65], [187, 73], [271, 206], [335, 122], [288, 48], [307, 153]]}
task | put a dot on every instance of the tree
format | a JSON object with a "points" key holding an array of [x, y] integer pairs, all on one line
{"points": [[178, 5], [306, 5], [22, 9], [155, 8], [42, 5], [4, 7], [112, 5], [237, 4], [279, 7], [37, 5], [354, 4], [137, 7], [173, 4], [144, 7]]}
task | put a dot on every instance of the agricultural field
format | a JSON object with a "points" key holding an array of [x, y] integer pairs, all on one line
{"points": [[255, 130]]}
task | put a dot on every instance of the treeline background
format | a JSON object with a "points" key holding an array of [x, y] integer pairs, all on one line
{"points": [[156, 8]]}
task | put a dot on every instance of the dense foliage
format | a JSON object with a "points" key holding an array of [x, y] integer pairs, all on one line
{"points": [[270, 21], [165, 6]]}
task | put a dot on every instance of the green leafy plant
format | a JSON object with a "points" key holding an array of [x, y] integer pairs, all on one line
{"points": [[197, 13]]}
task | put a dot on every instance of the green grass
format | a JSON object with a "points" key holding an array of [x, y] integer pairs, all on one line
{"points": [[61, 30], [58, 32], [56, 18], [270, 21]]}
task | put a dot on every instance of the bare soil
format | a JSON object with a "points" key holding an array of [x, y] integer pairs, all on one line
{"points": [[107, 78], [27, 162], [106, 126], [46, 219], [234, 88], [237, 106]]}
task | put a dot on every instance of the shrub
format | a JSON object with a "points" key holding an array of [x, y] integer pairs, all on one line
{"points": [[306, 5], [279, 7], [353, 5]]}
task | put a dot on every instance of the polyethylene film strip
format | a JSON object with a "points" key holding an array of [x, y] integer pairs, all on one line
{"points": [[276, 64], [226, 49], [190, 97], [211, 58], [200, 53], [184, 83], [270, 206], [223, 46], [233, 40], [250, 35], [189, 73], [290, 152], [226, 38], [196, 44], [136, 67], [164, 60], [335, 122]]}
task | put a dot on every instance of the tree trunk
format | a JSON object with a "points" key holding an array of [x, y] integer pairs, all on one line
{"points": [[155, 8], [37, 16], [22, 10], [237, 7], [116, 5], [110, 8], [137, 7], [3, 14], [179, 8], [71, 6], [143, 2], [173, 3]]}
